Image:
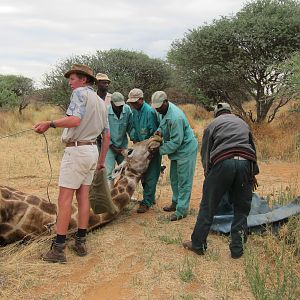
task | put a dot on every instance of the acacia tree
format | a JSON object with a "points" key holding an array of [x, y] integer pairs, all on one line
{"points": [[15, 91], [239, 58], [126, 69]]}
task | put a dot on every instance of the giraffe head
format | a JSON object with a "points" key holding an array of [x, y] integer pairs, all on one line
{"points": [[138, 157], [135, 164]]}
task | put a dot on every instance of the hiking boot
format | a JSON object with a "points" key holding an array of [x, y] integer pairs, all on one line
{"points": [[79, 247], [236, 255], [170, 208], [56, 254], [142, 208], [188, 245], [174, 217]]}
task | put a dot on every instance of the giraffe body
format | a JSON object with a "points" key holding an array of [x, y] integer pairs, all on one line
{"points": [[23, 216]]}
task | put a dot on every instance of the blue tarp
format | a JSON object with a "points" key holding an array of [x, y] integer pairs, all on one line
{"points": [[260, 215]]}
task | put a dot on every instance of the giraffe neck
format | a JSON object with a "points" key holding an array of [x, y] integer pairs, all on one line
{"points": [[124, 188]]}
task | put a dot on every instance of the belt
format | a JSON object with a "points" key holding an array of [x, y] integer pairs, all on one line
{"points": [[75, 144], [239, 158]]}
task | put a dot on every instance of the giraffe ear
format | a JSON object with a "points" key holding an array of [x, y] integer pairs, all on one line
{"points": [[118, 170]]}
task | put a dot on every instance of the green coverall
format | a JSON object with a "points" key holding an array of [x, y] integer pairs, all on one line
{"points": [[180, 144], [119, 128], [145, 123]]}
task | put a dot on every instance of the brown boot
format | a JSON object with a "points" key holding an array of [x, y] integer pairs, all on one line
{"points": [[142, 208], [170, 208], [56, 254], [80, 246]]}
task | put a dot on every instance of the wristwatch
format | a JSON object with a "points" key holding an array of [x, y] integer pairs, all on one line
{"points": [[52, 124]]}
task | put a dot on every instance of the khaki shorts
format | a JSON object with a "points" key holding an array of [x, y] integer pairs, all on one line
{"points": [[78, 166]]}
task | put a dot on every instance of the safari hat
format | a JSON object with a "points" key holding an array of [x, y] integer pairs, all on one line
{"points": [[220, 107], [81, 69], [158, 99], [134, 95], [117, 98], [102, 76]]}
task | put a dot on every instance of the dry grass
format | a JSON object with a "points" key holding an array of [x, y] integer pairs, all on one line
{"points": [[280, 139], [134, 257]]}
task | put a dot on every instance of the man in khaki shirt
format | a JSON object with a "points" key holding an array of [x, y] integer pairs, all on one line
{"points": [[103, 83], [86, 118]]}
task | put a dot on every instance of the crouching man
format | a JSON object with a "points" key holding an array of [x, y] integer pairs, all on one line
{"points": [[228, 157]]}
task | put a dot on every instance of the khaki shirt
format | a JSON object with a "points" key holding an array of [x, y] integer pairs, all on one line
{"points": [[107, 99], [86, 105]]}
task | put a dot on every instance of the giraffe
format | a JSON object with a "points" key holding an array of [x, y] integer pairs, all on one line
{"points": [[24, 216]]}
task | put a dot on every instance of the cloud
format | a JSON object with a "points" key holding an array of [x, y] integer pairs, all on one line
{"points": [[36, 34]]}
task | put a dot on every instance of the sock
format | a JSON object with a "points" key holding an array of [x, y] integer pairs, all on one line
{"points": [[60, 239], [81, 232]]}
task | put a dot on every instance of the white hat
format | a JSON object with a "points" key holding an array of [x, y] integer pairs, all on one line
{"points": [[158, 99], [134, 95]]}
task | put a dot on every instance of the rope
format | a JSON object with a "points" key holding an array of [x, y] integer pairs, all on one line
{"points": [[18, 132], [48, 155]]}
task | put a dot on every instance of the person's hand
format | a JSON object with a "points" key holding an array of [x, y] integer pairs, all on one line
{"points": [[41, 127], [100, 166], [157, 133], [254, 184]]}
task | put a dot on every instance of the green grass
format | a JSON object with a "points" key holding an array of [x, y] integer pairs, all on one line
{"points": [[186, 270]]}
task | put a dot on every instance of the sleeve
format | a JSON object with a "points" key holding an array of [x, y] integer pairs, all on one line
{"points": [[106, 126], [77, 106], [205, 151], [176, 138], [255, 166], [129, 128], [153, 122]]}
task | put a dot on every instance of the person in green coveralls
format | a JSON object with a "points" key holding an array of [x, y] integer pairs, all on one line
{"points": [[120, 123], [180, 144], [145, 124]]}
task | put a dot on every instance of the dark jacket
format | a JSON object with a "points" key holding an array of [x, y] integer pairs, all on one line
{"points": [[227, 133]]}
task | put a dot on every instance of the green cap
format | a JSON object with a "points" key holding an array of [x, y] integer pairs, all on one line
{"points": [[222, 106], [117, 98], [158, 98]]}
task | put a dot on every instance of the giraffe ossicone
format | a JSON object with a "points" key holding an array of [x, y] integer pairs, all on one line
{"points": [[23, 216]]}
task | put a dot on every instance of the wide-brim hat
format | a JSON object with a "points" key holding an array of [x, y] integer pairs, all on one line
{"points": [[102, 76], [81, 69], [135, 94]]}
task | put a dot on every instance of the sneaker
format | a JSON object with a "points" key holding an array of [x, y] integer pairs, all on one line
{"points": [[142, 208], [56, 254], [170, 208], [79, 247], [188, 245]]}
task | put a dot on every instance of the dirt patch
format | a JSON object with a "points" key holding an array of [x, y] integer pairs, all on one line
{"points": [[141, 257]]}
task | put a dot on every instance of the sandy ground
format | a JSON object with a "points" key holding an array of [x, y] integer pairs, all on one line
{"points": [[141, 257]]}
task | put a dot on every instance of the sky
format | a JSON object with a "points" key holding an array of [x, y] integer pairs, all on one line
{"points": [[37, 34]]}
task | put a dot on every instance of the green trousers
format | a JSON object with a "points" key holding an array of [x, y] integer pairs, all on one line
{"points": [[150, 179], [181, 177], [110, 161]]}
